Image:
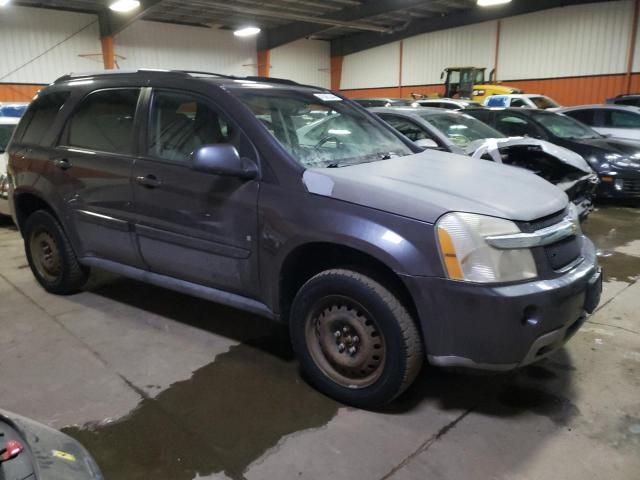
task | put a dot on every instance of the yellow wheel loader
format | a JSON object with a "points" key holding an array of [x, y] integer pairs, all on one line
{"points": [[469, 82]]}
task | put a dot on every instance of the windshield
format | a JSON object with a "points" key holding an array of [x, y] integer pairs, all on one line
{"points": [[563, 126], [340, 135], [461, 129], [544, 102], [5, 136]]}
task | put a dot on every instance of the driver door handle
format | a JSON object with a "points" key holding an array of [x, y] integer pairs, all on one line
{"points": [[62, 163], [149, 181]]}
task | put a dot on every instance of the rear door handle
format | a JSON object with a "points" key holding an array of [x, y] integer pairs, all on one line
{"points": [[149, 181], [62, 163]]}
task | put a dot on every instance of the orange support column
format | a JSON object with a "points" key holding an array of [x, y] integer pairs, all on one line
{"points": [[108, 53], [264, 63], [336, 72]]}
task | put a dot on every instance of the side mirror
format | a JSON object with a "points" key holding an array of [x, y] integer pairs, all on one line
{"points": [[223, 159], [426, 143]]}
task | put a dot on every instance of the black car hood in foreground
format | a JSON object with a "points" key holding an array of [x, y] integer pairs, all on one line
{"points": [[597, 147], [426, 185], [47, 455]]}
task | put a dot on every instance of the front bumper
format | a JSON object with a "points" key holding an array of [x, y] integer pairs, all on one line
{"points": [[504, 327]]}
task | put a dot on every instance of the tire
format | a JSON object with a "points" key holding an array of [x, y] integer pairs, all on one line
{"points": [[355, 341], [50, 255]]}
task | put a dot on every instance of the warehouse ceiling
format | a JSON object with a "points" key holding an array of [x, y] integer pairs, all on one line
{"points": [[351, 25]]}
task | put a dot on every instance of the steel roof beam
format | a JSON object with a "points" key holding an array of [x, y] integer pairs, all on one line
{"points": [[347, 18], [363, 41]]}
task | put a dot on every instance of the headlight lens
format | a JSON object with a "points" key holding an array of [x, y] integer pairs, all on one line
{"points": [[467, 256], [621, 161]]}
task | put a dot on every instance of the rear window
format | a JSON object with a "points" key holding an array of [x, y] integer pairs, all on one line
{"points": [[41, 115], [544, 102]]}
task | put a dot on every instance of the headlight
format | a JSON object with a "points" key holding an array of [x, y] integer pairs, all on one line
{"points": [[467, 256], [621, 161]]}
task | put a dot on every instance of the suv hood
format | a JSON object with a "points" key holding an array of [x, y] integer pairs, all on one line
{"points": [[426, 185]]}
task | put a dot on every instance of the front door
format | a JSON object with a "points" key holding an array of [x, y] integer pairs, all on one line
{"points": [[195, 226], [92, 167]]}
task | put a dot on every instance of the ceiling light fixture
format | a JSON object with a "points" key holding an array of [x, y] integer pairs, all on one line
{"points": [[491, 3], [247, 32], [4, 3], [124, 6]]}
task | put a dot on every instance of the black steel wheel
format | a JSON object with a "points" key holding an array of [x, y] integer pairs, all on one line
{"points": [[356, 342]]}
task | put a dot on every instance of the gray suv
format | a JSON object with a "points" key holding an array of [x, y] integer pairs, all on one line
{"points": [[237, 190]]}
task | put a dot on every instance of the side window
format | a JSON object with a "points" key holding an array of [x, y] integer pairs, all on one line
{"points": [[518, 103], [40, 116], [620, 119], [513, 126], [104, 121], [634, 101], [586, 116], [181, 123], [449, 106]]}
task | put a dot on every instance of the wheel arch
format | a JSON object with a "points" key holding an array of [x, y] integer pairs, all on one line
{"points": [[309, 259], [26, 203]]}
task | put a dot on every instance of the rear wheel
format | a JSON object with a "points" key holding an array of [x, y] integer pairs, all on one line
{"points": [[50, 255], [356, 342]]}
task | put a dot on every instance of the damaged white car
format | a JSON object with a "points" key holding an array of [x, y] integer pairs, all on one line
{"points": [[459, 133]]}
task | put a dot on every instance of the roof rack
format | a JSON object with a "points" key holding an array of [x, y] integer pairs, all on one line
{"points": [[251, 78]]}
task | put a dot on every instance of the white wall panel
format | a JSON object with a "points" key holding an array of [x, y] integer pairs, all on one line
{"points": [[426, 56], [305, 61], [29, 36], [376, 67], [179, 47], [562, 42], [636, 57]]}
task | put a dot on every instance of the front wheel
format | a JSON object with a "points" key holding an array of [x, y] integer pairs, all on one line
{"points": [[356, 342]]}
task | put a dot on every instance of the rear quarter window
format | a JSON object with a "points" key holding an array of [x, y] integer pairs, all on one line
{"points": [[40, 117]]}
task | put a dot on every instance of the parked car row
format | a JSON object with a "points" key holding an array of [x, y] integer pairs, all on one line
{"points": [[463, 134], [604, 139], [294, 203]]}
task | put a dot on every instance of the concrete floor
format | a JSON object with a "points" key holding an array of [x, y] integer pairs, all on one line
{"points": [[160, 385]]}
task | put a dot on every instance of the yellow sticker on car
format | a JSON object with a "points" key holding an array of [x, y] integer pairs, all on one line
{"points": [[63, 455]]}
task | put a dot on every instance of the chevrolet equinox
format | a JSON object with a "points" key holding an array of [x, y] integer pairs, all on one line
{"points": [[377, 254]]}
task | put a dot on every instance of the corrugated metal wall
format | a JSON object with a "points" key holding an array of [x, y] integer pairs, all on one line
{"points": [[563, 42], [377, 67], [40, 45], [426, 56], [179, 47], [305, 61]]}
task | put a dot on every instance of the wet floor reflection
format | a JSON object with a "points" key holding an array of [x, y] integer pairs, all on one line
{"points": [[223, 418], [614, 230]]}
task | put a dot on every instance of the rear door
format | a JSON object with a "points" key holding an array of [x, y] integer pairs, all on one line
{"points": [[195, 226], [92, 166]]}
